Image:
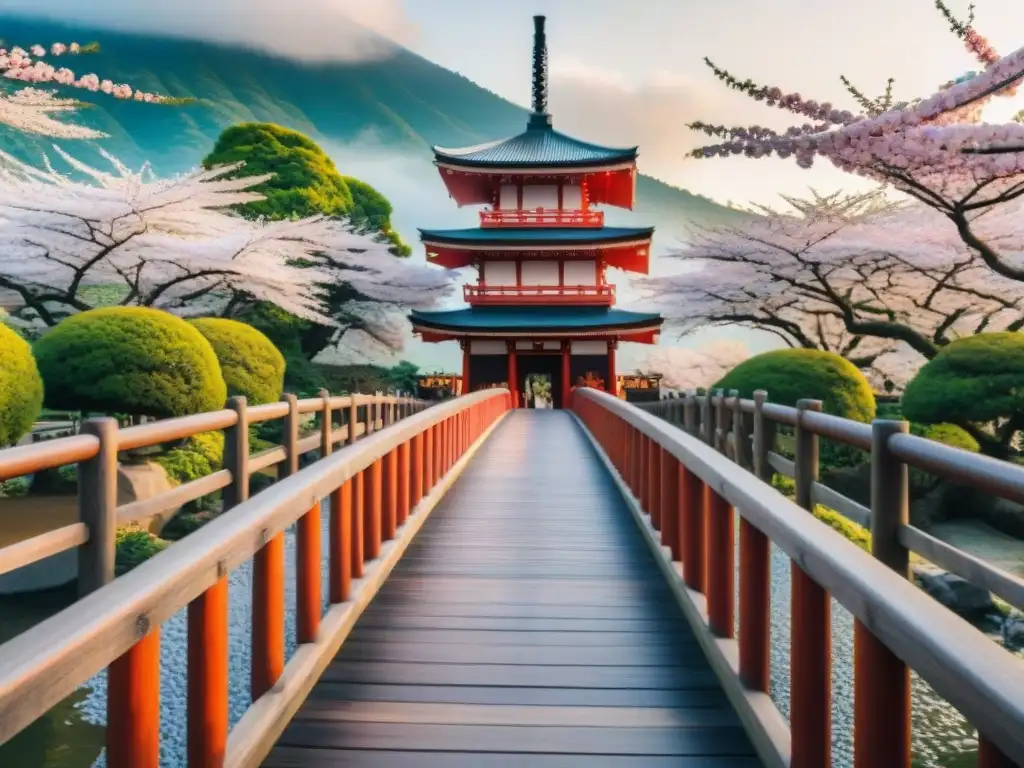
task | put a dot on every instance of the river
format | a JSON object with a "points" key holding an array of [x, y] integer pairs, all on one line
{"points": [[71, 735]]}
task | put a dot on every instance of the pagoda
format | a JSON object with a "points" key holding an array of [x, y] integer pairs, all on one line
{"points": [[541, 315]]}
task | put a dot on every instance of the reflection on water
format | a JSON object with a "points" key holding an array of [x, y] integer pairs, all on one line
{"points": [[71, 736], [62, 738]]}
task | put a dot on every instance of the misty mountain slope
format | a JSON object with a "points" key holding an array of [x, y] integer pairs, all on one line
{"points": [[402, 105]]}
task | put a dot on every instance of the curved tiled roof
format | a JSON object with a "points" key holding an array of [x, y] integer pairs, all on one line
{"points": [[534, 318], [537, 146], [536, 235]]}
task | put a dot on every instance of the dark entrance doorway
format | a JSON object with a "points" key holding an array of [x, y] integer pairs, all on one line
{"points": [[540, 375]]}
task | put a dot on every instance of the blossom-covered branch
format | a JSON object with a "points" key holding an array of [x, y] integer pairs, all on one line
{"points": [[173, 244], [31, 110], [684, 368], [856, 275]]}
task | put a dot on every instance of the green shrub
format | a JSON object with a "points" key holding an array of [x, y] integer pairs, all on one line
{"points": [[134, 546], [947, 434], [21, 387], [130, 359], [249, 362], [789, 375], [975, 380], [847, 528], [16, 486], [197, 457]]}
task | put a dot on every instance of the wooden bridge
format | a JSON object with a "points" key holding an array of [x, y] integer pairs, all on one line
{"points": [[510, 588]]}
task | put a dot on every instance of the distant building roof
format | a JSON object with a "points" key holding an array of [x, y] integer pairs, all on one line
{"points": [[538, 146], [537, 235], [534, 318]]}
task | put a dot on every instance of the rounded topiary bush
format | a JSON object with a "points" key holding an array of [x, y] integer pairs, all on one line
{"points": [[129, 360], [21, 387], [789, 375], [249, 362], [979, 379]]}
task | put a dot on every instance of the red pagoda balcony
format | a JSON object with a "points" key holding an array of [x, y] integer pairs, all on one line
{"points": [[525, 295], [541, 217]]}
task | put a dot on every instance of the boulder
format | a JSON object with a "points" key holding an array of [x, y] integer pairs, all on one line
{"points": [[957, 594], [1013, 632], [138, 482]]}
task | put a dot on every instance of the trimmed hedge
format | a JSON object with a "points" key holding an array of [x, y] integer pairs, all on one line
{"points": [[975, 379], [789, 375], [132, 360], [249, 362], [21, 387]]}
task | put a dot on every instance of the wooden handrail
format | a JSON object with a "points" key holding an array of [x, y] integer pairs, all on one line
{"points": [[117, 626], [898, 626], [96, 546]]}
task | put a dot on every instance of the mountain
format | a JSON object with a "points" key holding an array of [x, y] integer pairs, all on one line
{"points": [[376, 119]]}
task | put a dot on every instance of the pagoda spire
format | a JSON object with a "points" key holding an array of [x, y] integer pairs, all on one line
{"points": [[540, 117]]}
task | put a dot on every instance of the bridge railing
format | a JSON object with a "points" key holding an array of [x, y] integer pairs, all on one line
{"points": [[95, 452], [744, 430], [686, 494], [381, 489]]}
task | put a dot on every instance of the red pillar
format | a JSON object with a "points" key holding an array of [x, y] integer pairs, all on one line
{"points": [[513, 376], [465, 367], [613, 381], [566, 383]]}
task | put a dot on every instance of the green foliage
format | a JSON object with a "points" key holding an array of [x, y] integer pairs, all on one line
{"points": [[304, 182], [249, 362], [372, 211], [404, 376], [129, 359], [847, 528], [15, 487], [978, 378], [21, 387], [789, 375], [134, 546], [197, 457]]}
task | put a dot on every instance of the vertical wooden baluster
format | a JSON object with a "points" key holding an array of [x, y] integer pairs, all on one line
{"points": [[881, 680], [759, 455], [670, 504], [133, 702], [208, 681], [428, 460], [374, 509], [654, 482], [389, 524], [404, 481], [638, 463], [339, 530], [353, 420], [645, 489], [721, 563], [694, 531], [811, 642], [97, 507], [268, 580], [690, 414], [755, 607], [418, 471]]}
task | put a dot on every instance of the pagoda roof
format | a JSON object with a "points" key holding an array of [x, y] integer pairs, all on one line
{"points": [[537, 147], [524, 236], [491, 319]]}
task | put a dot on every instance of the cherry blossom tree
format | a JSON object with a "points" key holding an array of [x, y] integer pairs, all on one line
{"points": [[32, 110], [921, 147], [853, 274], [124, 237], [691, 368]]}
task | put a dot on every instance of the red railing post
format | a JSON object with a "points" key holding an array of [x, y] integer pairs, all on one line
{"points": [[133, 703], [340, 578], [267, 616], [694, 531], [418, 458], [308, 548], [389, 524], [428, 460], [653, 482], [374, 509], [670, 504], [404, 480], [208, 677], [645, 488], [755, 607], [720, 565], [358, 523], [990, 756], [810, 713], [882, 709]]}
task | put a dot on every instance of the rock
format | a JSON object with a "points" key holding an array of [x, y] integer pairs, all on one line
{"points": [[137, 482], [957, 594], [1013, 632]]}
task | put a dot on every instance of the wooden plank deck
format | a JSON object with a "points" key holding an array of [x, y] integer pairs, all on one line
{"points": [[526, 625]]}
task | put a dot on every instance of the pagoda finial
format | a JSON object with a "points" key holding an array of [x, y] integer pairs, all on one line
{"points": [[540, 117]]}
